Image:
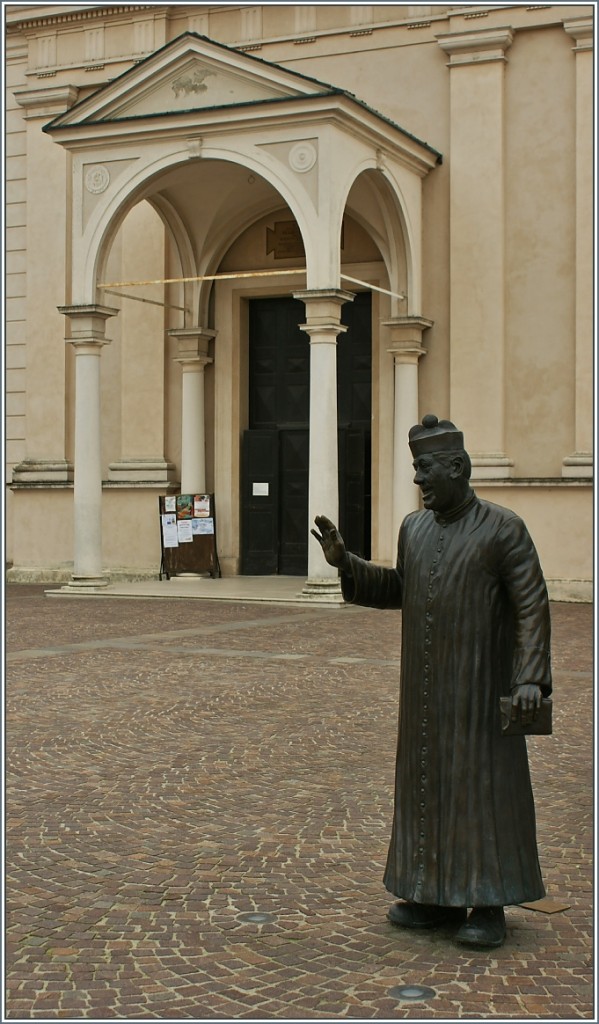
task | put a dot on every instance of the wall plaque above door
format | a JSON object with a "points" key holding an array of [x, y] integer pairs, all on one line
{"points": [[284, 240]]}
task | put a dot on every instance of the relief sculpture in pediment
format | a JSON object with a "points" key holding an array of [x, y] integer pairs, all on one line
{"points": [[191, 82]]}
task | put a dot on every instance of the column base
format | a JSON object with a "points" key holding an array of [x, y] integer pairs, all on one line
{"points": [[322, 591], [85, 584], [577, 465], [141, 471], [42, 472], [491, 466]]}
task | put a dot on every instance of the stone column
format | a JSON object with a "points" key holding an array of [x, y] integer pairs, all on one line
{"points": [[87, 337], [477, 245], [406, 349], [323, 325], [580, 462], [193, 358]]}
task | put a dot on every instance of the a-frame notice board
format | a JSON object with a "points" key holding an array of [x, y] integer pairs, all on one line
{"points": [[188, 535]]}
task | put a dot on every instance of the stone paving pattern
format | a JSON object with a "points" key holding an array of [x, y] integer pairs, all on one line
{"points": [[174, 765]]}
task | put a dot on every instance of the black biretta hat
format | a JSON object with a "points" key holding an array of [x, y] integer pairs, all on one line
{"points": [[434, 435]]}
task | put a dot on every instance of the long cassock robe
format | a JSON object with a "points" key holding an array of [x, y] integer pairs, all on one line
{"points": [[475, 623]]}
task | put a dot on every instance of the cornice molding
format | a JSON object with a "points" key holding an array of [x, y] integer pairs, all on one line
{"points": [[87, 14], [48, 101], [327, 112], [476, 46], [581, 31]]}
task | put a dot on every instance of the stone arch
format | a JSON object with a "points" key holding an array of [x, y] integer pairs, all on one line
{"points": [[393, 234], [178, 234], [95, 240]]}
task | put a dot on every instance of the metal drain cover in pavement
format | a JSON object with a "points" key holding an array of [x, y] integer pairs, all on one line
{"points": [[256, 918], [412, 992]]}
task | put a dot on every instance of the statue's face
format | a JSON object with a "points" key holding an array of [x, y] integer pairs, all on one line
{"points": [[439, 481]]}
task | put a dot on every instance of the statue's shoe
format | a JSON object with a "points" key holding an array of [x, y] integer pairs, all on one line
{"points": [[485, 927], [422, 915]]}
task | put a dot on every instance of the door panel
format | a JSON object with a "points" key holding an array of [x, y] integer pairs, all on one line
{"points": [[260, 503], [275, 528], [293, 506], [354, 364], [279, 364], [354, 403], [354, 490]]}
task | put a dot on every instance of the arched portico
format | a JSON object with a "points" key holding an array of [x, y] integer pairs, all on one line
{"points": [[298, 140]]}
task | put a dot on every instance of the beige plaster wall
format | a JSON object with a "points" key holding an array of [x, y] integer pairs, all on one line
{"points": [[43, 546], [130, 529], [549, 513], [540, 253], [42, 533]]}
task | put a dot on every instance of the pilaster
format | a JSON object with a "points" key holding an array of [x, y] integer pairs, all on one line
{"points": [[580, 462], [477, 64], [142, 356], [46, 232]]}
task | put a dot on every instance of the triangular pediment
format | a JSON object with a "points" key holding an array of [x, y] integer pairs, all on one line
{"points": [[190, 73]]}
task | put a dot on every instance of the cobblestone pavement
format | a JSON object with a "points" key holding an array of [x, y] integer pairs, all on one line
{"points": [[175, 766]]}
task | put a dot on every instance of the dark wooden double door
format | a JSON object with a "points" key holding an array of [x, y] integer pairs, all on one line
{"points": [[275, 462]]}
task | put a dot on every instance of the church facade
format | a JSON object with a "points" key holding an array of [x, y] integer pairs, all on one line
{"points": [[248, 247]]}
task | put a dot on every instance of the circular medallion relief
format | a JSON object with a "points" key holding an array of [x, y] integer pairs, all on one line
{"points": [[302, 157], [97, 179]]}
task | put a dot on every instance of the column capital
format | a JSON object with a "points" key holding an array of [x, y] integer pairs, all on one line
{"points": [[323, 334], [581, 31], [406, 337], [323, 305], [406, 352], [478, 46], [190, 361], [88, 323], [88, 309], [193, 343]]}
